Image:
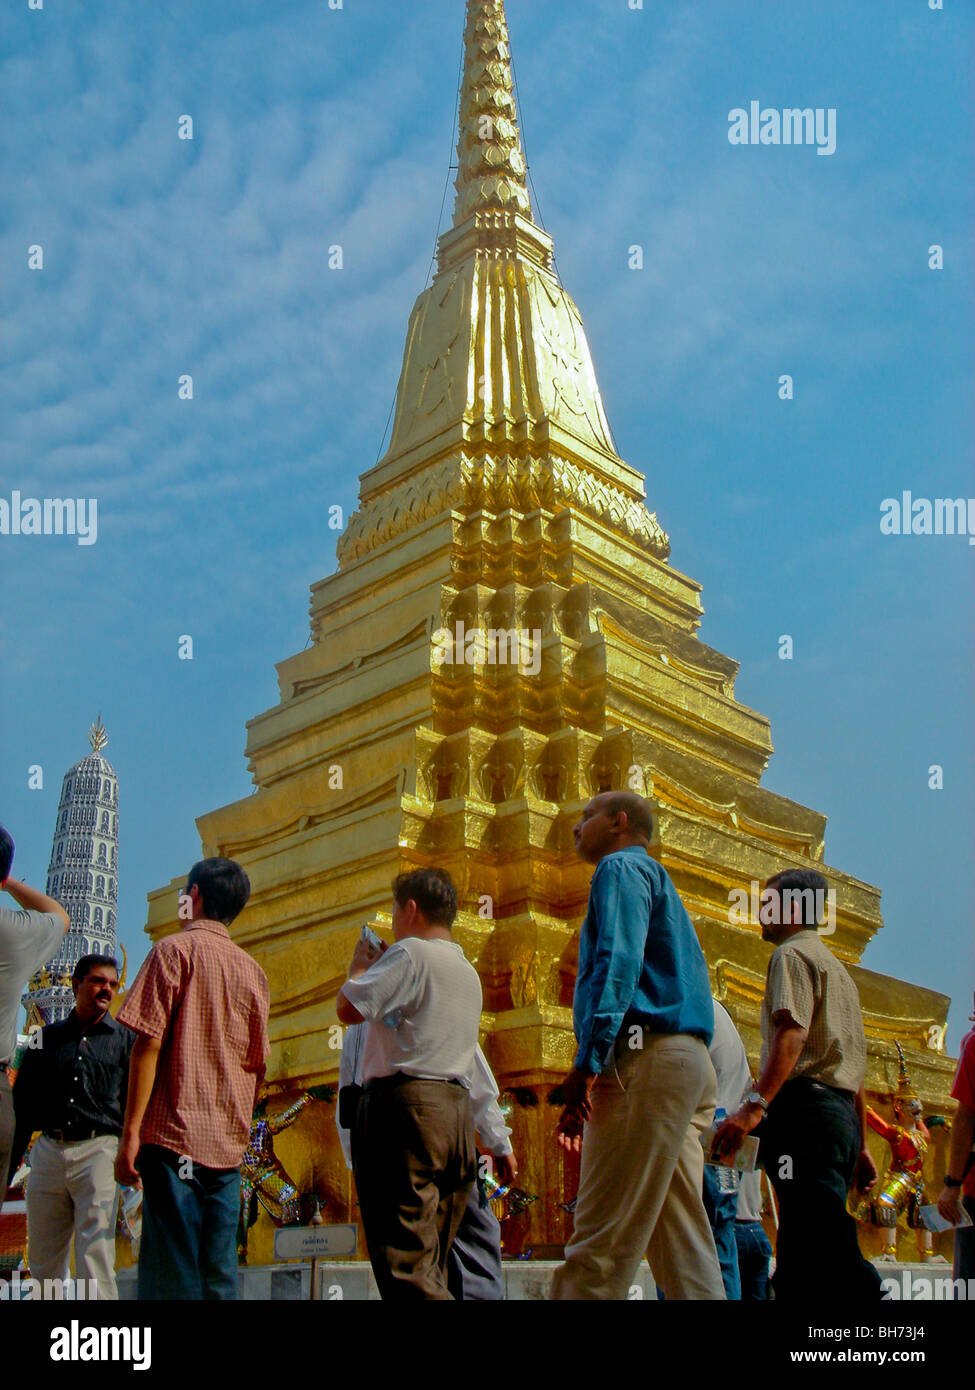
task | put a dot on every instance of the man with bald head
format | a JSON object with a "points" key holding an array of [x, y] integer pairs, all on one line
{"points": [[642, 1090]]}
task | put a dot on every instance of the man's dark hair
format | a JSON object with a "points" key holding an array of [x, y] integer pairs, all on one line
{"points": [[89, 963], [224, 888], [805, 886], [6, 854], [638, 817], [433, 892]]}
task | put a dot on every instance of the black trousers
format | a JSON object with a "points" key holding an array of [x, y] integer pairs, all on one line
{"points": [[810, 1141], [415, 1163]]}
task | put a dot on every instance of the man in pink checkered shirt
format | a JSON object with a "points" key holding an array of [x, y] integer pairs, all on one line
{"points": [[199, 1006]]}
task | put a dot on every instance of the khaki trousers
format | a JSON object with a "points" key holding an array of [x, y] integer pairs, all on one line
{"points": [[71, 1191], [641, 1176]]}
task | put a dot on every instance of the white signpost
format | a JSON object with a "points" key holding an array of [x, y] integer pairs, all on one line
{"points": [[314, 1243]]}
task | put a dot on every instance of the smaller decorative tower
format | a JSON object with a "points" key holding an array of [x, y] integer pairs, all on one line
{"points": [[82, 876]]}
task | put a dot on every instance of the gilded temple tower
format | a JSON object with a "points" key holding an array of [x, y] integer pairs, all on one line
{"points": [[502, 506]]}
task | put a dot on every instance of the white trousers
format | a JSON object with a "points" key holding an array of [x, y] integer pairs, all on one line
{"points": [[641, 1176], [71, 1191]]}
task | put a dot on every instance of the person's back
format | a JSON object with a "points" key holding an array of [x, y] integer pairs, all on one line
{"points": [[200, 1007], [29, 936], [212, 1030], [431, 1030], [413, 1143], [28, 939], [729, 1059]]}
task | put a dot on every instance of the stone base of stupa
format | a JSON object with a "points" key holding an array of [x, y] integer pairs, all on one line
{"points": [[351, 1280], [525, 1281]]}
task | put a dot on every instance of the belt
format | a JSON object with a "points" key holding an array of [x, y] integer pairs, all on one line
{"points": [[76, 1136], [654, 1032], [399, 1077], [849, 1096]]}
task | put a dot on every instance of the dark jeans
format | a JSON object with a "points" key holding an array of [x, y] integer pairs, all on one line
{"points": [[810, 1141], [6, 1133], [189, 1228], [415, 1163], [965, 1245], [474, 1271], [722, 1208], [754, 1256]]}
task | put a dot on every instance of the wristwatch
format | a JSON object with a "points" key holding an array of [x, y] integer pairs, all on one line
{"points": [[952, 1182], [754, 1098]]}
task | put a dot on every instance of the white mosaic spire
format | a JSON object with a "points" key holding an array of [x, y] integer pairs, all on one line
{"points": [[82, 876]]}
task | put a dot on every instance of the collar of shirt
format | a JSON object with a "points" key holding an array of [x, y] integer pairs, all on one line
{"points": [[105, 1024], [206, 924], [803, 934]]}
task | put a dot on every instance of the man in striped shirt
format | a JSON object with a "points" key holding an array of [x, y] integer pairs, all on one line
{"points": [[809, 1100], [199, 1006]]}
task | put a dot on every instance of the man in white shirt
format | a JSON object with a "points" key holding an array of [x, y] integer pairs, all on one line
{"points": [[474, 1271], [28, 938], [414, 1156]]}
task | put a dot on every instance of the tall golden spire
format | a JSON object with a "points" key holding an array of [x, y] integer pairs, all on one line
{"points": [[497, 368], [491, 163], [97, 736]]}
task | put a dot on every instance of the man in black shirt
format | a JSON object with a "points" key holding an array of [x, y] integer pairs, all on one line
{"points": [[72, 1087]]}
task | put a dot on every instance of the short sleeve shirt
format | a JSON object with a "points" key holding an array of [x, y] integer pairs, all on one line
{"points": [[424, 999], [730, 1061], [807, 981], [27, 940], [208, 1001], [963, 1090]]}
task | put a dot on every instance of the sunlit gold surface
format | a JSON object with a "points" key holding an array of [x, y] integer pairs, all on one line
{"points": [[502, 503]]}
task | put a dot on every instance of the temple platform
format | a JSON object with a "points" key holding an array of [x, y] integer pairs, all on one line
{"points": [[525, 1281]]}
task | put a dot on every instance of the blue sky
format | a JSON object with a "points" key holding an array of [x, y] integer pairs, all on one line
{"points": [[315, 126]]}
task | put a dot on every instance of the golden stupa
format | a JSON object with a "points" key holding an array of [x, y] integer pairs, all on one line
{"points": [[503, 505]]}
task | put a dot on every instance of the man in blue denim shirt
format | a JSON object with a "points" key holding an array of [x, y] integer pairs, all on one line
{"points": [[642, 1090]]}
